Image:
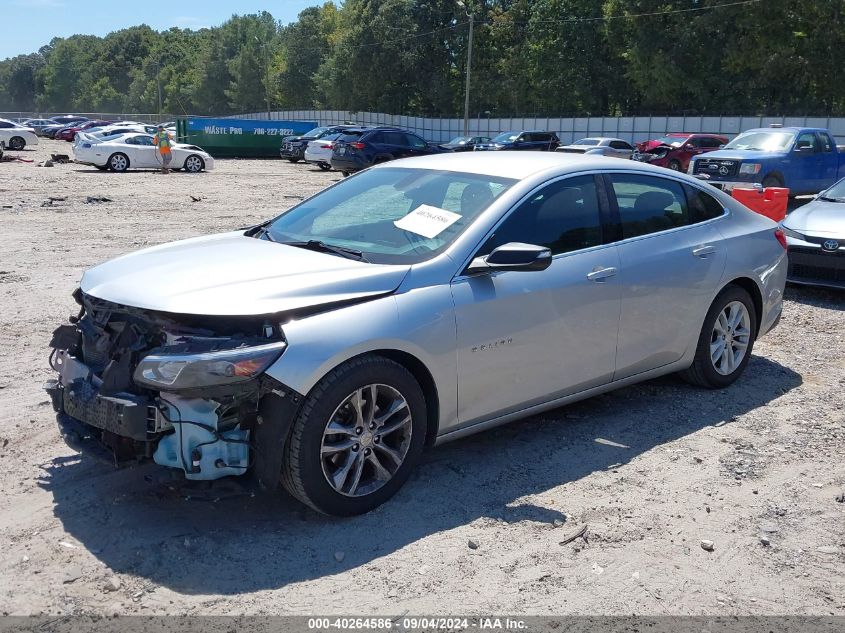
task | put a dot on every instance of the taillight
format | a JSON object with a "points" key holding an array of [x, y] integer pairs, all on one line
{"points": [[357, 145], [781, 237], [327, 146]]}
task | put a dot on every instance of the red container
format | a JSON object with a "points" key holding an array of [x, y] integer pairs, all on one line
{"points": [[770, 202]]}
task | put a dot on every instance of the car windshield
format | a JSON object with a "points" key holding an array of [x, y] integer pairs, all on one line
{"points": [[460, 140], [506, 137], [762, 141], [674, 141], [587, 141], [836, 192], [391, 215], [317, 131]]}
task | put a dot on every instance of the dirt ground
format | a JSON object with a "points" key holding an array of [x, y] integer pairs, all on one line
{"points": [[652, 470]]}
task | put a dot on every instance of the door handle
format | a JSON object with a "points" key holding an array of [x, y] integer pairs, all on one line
{"points": [[703, 252], [601, 274]]}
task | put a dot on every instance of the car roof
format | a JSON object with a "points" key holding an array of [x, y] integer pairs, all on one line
{"points": [[598, 138], [519, 165]]}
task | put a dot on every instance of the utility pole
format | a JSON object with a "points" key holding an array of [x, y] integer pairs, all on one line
{"points": [[266, 73], [469, 66]]}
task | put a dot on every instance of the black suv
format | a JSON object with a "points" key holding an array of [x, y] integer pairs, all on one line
{"points": [[359, 148], [531, 140], [293, 147]]}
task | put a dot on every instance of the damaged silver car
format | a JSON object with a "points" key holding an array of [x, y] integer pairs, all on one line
{"points": [[413, 303]]}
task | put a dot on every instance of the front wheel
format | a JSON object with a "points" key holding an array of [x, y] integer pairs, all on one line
{"points": [[324, 166], [726, 340], [194, 164], [771, 181], [357, 437], [675, 165], [17, 143], [118, 162], [293, 160]]}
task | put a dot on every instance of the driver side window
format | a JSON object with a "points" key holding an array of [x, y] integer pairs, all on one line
{"points": [[563, 217], [806, 141]]}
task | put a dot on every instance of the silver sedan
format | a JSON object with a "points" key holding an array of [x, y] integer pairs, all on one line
{"points": [[816, 237], [599, 145], [414, 303]]}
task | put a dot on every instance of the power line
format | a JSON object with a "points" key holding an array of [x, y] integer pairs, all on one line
{"points": [[605, 18]]}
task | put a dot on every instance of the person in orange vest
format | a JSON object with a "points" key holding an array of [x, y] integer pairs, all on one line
{"points": [[162, 141]]}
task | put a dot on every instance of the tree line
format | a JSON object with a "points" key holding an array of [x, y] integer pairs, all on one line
{"points": [[530, 57]]}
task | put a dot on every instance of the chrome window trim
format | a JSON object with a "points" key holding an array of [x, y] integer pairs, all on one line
{"points": [[726, 212]]}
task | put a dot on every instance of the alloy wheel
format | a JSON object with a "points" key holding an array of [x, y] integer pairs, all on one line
{"points": [[730, 338], [193, 164], [366, 440], [118, 162]]}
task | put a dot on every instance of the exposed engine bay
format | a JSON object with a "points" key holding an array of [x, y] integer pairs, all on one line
{"points": [[183, 390]]}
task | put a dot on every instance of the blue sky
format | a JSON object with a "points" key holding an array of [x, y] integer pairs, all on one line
{"points": [[30, 24]]}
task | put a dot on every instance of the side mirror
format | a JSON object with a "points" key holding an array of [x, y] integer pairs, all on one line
{"points": [[513, 256]]}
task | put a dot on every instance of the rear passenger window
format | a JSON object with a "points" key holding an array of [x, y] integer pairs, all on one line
{"points": [[702, 206], [827, 145], [648, 204], [563, 217]]}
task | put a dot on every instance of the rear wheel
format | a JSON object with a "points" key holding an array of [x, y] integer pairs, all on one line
{"points": [[118, 162], [345, 174], [194, 164], [293, 160], [17, 143], [675, 165], [726, 340], [357, 437], [324, 166]]}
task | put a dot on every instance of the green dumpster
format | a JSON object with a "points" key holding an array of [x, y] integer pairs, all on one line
{"points": [[238, 138]]}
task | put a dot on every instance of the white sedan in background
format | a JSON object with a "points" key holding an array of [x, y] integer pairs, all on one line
{"points": [[16, 136], [599, 145], [137, 151], [319, 152]]}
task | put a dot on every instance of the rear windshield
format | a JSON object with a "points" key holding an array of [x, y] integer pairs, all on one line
{"points": [[349, 136], [587, 141]]}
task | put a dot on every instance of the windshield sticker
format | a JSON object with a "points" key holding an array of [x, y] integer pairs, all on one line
{"points": [[427, 221]]}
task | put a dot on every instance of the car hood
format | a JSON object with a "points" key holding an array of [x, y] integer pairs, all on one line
{"points": [[650, 146], [233, 275], [733, 154], [818, 218]]}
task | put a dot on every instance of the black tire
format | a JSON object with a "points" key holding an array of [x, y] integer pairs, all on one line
{"points": [[293, 160], [675, 165], [345, 174], [192, 166], [17, 143], [324, 166], [772, 181], [702, 371], [118, 162], [302, 470]]}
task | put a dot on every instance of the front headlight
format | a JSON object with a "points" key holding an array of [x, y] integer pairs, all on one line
{"points": [[177, 371], [750, 169], [793, 234]]}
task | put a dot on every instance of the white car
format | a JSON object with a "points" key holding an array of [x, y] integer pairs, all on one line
{"points": [[319, 152], [16, 136], [136, 151], [600, 145]]}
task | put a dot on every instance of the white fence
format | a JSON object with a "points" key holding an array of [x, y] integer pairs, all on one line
{"points": [[631, 129]]}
